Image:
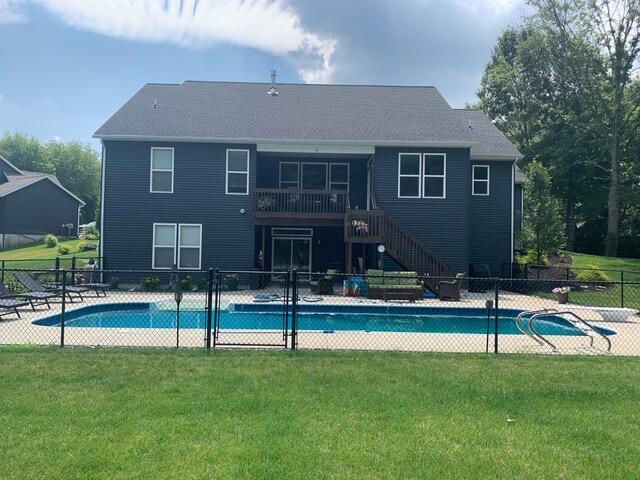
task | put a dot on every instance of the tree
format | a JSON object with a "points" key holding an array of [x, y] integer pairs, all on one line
{"points": [[25, 152], [542, 232], [596, 43]]}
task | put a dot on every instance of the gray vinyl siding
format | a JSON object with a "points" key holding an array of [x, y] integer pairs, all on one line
{"points": [[517, 213], [491, 218], [198, 197], [38, 209], [442, 224]]}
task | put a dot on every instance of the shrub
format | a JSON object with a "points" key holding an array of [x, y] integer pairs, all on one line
{"points": [[150, 284], [186, 283], [87, 246], [202, 284], [93, 232], [63, 250], [530, 258], [593, 274], [231, 281], [50, 240]]}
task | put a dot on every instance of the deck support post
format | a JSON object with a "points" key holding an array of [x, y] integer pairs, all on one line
{"points": [[263, 247]]}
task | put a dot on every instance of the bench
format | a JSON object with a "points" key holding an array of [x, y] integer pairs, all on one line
{"points": [[609, 314], [393, 285]]}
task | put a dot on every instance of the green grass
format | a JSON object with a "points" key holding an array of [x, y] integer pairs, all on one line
{"points": [[115, 414], [39, 256], [631, 266]]}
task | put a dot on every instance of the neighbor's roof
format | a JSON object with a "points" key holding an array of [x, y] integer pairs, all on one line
{"points": [[519, 176], [18, 182], [489, 140], [228, 111]]}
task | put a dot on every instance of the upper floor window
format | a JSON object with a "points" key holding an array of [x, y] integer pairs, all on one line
{"points": [[480, 180], [314, 176], [237, 172], [434, 175], [289, 175], [164, 245], [161, 170], [339, 176], [189, 245], [409, 175]]}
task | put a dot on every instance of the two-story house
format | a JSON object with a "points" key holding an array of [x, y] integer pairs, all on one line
{"points": [[257, 175]]}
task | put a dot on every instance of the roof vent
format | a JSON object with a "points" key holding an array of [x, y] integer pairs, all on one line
{"points": [[273, 91], [155, 103]]}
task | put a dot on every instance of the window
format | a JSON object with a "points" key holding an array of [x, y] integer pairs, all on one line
{"points": [[314, 176], [161, 170], [409, 175], [434, 175], [339, 176], [237, 172], [480, 180], [164, 245], [289, 175], [189, 246]]}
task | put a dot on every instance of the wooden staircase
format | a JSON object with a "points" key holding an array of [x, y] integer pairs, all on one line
{"points": [[375, 226]]}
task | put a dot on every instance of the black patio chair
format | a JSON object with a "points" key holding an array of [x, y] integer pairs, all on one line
{"points": [[88, 281], [34, 286], [34, 298]]}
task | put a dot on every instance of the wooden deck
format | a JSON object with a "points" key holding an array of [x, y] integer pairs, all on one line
{"points": [[275, 206]]}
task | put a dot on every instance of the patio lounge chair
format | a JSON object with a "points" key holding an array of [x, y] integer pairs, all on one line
{"points": [[88, 282], [34, 298], [450, 290], [11, 305], [324, 285], [33, 286], [393, 285]]}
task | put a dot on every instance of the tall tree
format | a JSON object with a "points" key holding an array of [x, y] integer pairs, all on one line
{"points": [[596, 43], [542, 233]]}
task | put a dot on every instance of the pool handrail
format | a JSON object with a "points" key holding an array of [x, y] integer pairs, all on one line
{"points": [[590, 327], [532, 334]]}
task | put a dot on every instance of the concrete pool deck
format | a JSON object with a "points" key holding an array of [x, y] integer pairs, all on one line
{"points": [[22, 331]]}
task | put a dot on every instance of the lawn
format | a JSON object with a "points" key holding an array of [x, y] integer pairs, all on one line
{"points": [[114, 414], [39, 256], [631, 266]]}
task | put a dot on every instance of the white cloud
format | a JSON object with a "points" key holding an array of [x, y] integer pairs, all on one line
{"points": [[499, 7], [269, 25], [10, 12]]}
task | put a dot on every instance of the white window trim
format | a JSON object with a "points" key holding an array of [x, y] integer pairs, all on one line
{"points": [[348, 183], [280, 174], [227, 171], [151, 169], [474, 180], [153, 245], [443, 176], [326, 173], [179, 247], [412, 175]]}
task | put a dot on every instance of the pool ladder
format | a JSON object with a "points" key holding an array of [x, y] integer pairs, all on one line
{"points": [[576, 321]]}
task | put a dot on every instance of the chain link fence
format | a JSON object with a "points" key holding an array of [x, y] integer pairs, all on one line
{"points": [[300, 310]]}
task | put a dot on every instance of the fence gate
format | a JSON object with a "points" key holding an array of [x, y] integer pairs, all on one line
{"points": [[262, 319]]}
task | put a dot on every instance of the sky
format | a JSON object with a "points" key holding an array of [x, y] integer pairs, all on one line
{"points": [[67, 65]]}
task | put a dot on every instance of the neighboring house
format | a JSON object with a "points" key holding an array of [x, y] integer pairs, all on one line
{"points": [[251, 175], [33, 204]]}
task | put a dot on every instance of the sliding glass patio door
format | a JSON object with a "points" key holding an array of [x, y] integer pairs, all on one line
{"points": [[291, 252]]}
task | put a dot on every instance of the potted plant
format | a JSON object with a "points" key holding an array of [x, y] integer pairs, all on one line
{"points": [[360, 226], [563, 294]]}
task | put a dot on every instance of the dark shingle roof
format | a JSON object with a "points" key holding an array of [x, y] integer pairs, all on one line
{"points": [[490, 142], [370, 114], [17, 182], [519, 177]]}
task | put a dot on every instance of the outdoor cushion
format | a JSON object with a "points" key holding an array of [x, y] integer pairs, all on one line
{"points": [[400, 278], [375, 277]]}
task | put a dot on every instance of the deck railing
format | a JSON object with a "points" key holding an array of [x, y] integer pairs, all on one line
{"points": [[290, 203]]}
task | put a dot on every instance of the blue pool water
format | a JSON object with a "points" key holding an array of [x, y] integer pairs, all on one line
{"points": [[327, 318]]}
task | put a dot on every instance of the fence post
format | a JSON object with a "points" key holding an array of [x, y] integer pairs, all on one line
{"points": [[216, 310], [57, 268], [294, 308], [209, 307], [497, 319], [3, 272], [285, 309], [568, 270], [63, 308], [622, 288], [73, 269], [526, 271]]}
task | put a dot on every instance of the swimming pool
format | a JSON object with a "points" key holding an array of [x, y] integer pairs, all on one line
{"points": [[324, 318]]}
